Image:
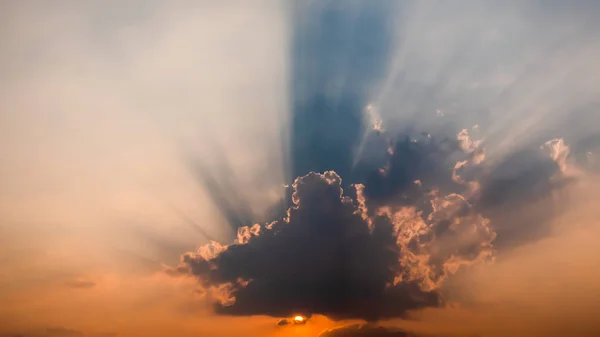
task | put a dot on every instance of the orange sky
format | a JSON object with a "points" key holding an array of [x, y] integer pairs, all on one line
{"points": [[96, 102], [544, 289]]}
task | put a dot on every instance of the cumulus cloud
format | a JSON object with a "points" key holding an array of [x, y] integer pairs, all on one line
{"points": [[546, 288], [389, 237], [435, 247], [321, 258], [330, 255], [387, 241]]}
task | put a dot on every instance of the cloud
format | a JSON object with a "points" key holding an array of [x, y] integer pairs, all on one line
{"points": [[329, 255], [433, 248], [558, 152], [419, 160], [81, 284], [386, 242], [363, 330], [319, 259], [412, 158], [546, 288], [63, 332], [521, 193], [380, 249], [283, 322]]}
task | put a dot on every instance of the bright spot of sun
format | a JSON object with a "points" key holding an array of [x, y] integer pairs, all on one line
{"points": [[298, 319]]}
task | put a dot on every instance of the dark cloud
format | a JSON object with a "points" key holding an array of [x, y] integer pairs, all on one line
{"points": [[363, 330], [328, 256], [378, 249], [412, 209], [521, 194], [522, 176], [321, 259], [413, 158], [282, 322]]}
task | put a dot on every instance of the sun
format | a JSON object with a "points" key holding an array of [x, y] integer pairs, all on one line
{"points": [[298, 319]]}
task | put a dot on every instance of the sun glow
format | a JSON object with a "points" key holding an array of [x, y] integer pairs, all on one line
{"points": [[298, 319]]}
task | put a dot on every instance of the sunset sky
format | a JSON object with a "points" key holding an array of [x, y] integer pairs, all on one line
{"points": [[381, 168]]}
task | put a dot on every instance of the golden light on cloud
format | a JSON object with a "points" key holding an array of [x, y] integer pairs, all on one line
{"points": [[298, 319]]}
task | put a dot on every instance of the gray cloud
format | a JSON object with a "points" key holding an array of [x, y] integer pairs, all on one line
{"points": [[376, 250], [363, 330], [328, 255]]}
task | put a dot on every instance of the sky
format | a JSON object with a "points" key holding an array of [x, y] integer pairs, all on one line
{"points": [[382, 168]]}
